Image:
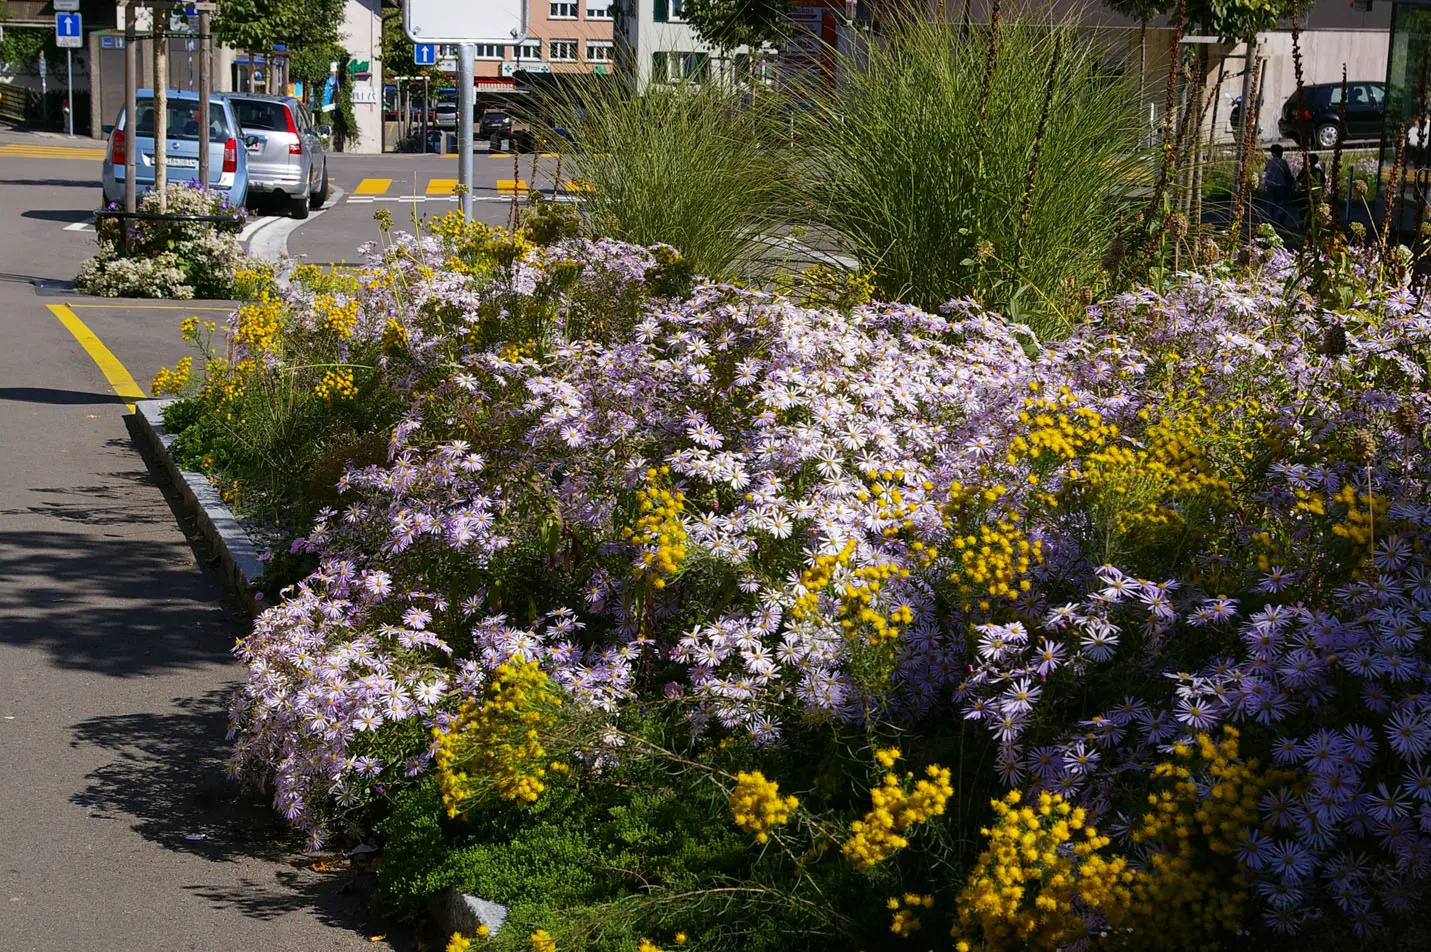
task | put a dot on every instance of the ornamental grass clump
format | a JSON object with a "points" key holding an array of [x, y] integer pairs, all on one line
{"points": [[989, 162], [1037, 573]]}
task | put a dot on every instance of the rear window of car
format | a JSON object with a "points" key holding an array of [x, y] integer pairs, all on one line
{"points": [[259, 116], [183, 119]]}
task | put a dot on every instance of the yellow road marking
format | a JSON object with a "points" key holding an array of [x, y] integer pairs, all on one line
{"points": [[118, 377], [51, 151], [576, 185], [146, 307], [373, 186], [525, 155], [441, 186], [511, 186]]}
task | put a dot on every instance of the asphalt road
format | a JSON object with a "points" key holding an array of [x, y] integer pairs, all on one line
{"points": [[118, 829]]}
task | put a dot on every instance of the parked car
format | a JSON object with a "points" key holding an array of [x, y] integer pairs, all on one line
{"points": [[444, 110], [1318, 111], [494, 122], [228, 164], [286, 160]]}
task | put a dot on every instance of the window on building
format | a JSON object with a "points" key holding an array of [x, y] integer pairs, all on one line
{"points": [[598, 9], [530, 50], [666, 11], [562, 51], [661, 67], [598, 51], [695, 67], [562, 10], [488, 51]]}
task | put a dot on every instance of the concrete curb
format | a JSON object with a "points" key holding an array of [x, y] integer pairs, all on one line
{"points": [[238, 557]]}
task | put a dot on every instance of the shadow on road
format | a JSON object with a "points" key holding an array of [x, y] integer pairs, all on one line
{"points": [[58, 214], [58, 397], [167, 781]]}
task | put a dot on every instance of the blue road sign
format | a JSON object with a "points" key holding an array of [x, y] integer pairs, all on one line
{"points": [[67, 26], [424, 54]]}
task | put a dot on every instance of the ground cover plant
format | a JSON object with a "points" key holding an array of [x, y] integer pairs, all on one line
{"points": [[677, 612], [167, 259]]}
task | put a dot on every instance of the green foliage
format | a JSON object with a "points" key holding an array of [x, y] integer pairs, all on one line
{"points": [[730, 24], [262, 24], [929, 194], [20, 48], [688, 166], [1239, 19]]}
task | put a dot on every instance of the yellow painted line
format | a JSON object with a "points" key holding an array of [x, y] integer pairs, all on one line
{"points": [[576, 185], [511, 186], [441, 186], [108, 364], [147, 307], [31, 152], [525, 155], [373, 186]]}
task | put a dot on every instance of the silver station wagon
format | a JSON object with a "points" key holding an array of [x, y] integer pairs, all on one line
{"points": [[285, 151]]}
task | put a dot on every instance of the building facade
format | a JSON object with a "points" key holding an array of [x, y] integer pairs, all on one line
{"points": [[655, 44]]}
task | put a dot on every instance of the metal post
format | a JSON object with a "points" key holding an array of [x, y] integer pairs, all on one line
{"points": [[465, 87], [70, 92], [131, 120], [161, 110], [206, 82], [426, 117], [44, 92]]}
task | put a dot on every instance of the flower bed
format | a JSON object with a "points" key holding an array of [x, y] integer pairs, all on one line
{"points": [[672, 607], [171, 259]]}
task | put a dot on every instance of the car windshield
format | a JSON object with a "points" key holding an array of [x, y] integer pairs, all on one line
{"points": [[183, 119], [256, 115]]}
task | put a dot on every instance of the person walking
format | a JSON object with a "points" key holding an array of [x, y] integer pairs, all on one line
{"points": [[1277, 184]]}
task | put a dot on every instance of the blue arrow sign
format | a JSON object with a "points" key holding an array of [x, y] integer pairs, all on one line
{"points": [[67, 30], [424, 54]]}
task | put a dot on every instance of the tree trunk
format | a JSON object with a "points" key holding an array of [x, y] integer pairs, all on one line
{"points": [[1248, 119]]}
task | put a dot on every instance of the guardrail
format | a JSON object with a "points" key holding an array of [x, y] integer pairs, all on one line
{"points": [[233, 221]]}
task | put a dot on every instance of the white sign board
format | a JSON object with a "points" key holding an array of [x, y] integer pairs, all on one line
{"points": [[465, 21], [67, 6]]}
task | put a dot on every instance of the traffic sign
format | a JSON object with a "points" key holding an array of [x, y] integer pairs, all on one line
{"points": [[67, 6], [67, 31], [424, 54], [443, 21]]}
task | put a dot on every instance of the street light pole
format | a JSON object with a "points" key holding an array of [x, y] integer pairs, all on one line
{"points": [[131, 121], [206, 81], [465, 86]]}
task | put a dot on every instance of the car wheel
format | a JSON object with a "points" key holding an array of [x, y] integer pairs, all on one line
{"points": [[317, 199], [1327, 135], [298, 207]]}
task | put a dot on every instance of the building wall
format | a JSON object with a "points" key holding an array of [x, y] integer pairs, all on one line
{"points": [[361, 36], [641, 35]]}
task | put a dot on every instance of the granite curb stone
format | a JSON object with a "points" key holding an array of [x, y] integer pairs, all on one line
{"points": [[238, 557]]}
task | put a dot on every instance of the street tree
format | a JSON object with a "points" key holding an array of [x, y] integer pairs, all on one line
{"points": [[730, 24]]}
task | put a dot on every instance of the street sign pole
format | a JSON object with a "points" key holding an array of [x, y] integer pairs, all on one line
{"points": [[206, 81], [161, 112], [70, 92], [465, 86]]}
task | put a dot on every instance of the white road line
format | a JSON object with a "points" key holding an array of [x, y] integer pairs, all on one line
{"points": [[272, 243], [80, 226]]}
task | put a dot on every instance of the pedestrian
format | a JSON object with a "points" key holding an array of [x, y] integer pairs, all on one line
{"points": [[1277, 184]]}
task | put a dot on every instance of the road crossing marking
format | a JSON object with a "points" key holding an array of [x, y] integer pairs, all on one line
{"points": [[27, 151], [115, 372], [441, 186], [506, 186], [373, 186]]}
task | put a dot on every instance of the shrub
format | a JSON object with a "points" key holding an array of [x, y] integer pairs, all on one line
{"points": [[169, 259], [949, 184]]}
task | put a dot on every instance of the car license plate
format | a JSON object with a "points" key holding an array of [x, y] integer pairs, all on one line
{"points": [[179, 162]]}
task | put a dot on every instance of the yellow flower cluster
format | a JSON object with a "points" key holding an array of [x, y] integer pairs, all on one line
{"points": [[886, 756], [814, 580], [1058, 427], [906, 921], [757, 805], [1363, 512], [1191, 886], [518, 350], [259, 324], [224, 383], [996, 560], [543, 942], [857, 597], [189, 328], [646, 945], [460, 943], [337, 384], [659, 531], [893, 812], [1040, 858], [495, 746], [337, 318], [394, 337], [172, 381]]}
